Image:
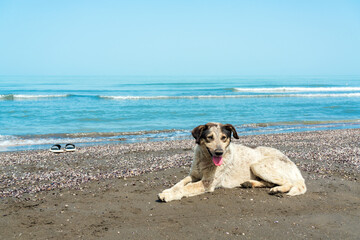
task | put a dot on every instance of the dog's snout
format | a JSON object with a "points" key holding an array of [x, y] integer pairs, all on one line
{"points": [[219, 152]]}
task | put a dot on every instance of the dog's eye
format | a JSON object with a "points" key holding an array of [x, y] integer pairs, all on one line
{"points": [[223, 138], [210, 137]]}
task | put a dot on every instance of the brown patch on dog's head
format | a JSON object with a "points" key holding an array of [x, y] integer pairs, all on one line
{"points": [[228, 129], [199, 131]]}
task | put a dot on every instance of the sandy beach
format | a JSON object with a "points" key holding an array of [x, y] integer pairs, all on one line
{"points": [[110, 192]]}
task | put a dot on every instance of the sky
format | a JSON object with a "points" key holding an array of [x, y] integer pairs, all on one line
{"points": [[184, 37]]}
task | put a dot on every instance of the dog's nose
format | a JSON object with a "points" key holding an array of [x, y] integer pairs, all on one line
{"points": [[219, 152]]}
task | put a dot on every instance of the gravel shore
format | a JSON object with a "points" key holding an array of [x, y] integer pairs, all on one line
{"points": [[24, 173], [109, 192]]}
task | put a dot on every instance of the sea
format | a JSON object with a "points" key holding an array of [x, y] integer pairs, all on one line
{"points": [[39, 111]]}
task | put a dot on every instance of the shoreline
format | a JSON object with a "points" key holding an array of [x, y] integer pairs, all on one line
{"points": [[14, 143], [110, 192]]}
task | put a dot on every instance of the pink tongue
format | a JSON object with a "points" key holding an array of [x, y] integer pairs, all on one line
{"points": [[217, 160]]}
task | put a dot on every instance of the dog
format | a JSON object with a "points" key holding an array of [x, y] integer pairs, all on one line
{"points": [[220, 163]]}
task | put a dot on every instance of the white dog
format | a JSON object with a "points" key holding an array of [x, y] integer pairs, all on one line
{"points": [[220, 163]]}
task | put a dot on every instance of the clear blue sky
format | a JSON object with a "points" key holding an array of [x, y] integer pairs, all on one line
{"points": [[100, 37]]}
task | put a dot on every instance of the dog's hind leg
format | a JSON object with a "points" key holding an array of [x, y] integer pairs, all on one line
{"points": [[256, 184], [281, 172]]}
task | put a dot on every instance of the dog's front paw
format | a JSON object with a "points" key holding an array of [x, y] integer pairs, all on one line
{"points": [[168, 195], [165, 196]]}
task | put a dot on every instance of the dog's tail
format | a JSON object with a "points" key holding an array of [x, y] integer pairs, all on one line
{"points": [[298, 188]]}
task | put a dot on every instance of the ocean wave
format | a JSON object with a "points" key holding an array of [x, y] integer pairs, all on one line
{"points": [[308, 95], [300, 123], [104, 134], [84, 137], [296, 89], [10, 141], [316, 95], [23, 96]]}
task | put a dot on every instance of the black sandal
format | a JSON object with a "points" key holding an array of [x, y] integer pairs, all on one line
{"points": [[56, 148], [70, 147]]}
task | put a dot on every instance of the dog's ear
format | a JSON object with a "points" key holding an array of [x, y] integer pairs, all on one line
{"points": [[232, 129], [197, 132]]}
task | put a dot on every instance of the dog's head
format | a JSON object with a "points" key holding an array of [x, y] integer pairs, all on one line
{"points": [[214, 138]]}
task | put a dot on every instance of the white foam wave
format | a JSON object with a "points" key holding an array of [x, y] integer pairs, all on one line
{"points": [[309, 95], [23, 96], [315, 95], [11, 141], [165, 97], [297, 89]]}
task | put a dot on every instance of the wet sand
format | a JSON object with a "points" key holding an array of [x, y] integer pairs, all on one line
{"points": [[109, 192]]}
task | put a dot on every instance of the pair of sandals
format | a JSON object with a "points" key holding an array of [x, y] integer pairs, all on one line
{"points": [[68, 148]]}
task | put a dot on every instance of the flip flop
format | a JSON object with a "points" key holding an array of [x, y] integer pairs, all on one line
{"points": [[56, 148], [70, 147]]}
